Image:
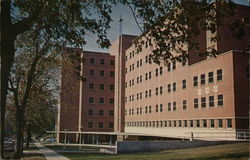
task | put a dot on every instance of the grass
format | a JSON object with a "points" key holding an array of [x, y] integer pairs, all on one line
{"points": [[239, 151]]}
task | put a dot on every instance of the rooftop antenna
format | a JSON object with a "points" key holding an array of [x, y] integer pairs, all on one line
{"points": [[120, 25]]}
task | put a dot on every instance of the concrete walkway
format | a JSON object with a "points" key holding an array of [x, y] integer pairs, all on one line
{"points": [[49, 154]]}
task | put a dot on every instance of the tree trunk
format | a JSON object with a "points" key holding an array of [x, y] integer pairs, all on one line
{"points": [[19, 132], [28, 138], [7, 58]]}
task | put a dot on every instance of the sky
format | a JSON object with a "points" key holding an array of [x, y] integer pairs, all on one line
{"points": [[129, 26]]}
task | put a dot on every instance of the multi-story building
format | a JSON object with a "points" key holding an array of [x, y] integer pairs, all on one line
{"points": [[205, 97], [88, 104]]}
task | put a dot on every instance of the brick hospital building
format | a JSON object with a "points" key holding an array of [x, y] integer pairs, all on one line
{"points": [[207, 97]]}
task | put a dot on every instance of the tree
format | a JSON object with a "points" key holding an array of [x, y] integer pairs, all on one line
{"points": [[35, 64], [67, 21]]}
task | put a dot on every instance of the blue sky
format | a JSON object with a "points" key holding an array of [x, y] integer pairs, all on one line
{"points": [[129, 26]]}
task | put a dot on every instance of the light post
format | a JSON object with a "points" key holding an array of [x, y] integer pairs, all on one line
{"points": [[80, 137], [65, 138]]}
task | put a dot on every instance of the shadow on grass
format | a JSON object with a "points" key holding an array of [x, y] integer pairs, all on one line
{"points": [[223, 156]]}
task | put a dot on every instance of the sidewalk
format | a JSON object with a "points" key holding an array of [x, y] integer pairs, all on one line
{"points": [[49, 154]]}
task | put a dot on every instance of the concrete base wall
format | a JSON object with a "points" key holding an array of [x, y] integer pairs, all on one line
{"points": [[142, 146]]}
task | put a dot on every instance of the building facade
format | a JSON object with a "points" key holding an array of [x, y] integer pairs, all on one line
{"points": [[206, 98], [88, 105]]}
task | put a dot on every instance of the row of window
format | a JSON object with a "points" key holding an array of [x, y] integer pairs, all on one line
{"points": [[101, 86], [101, 73], [158, 71], [158, 91], [100, 112], [173, 106], [211, 123], [210, 78], [203, 79], [101, 100], [133, 53], [100, 125], [102, 61]]}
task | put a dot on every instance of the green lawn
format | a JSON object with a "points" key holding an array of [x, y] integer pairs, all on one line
{"points": [[239, 151]]}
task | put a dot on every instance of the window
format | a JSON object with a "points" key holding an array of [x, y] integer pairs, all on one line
{"points": [[174, 123], [101, 112], [184, 62], [90, 124], [184, 104], [170, 123], [149, 93], [212, 123], [174, 106], [101, 73], [220, 100], [140, 78], [146, 76], [169, 87], [219, 75], [156, 91], [203, 102], [101, 100], [111, 125], [191, 123], [173, 65], [160, 70], [91, 86], [146, 59], [111, 87], [102, 61], [169, 106], [210, 77], [140, 62], [91, 112], [211, 101], [196, 103], [111, 100], [140, 110], [111, 73], [198, 123], [100, 125], [92, 60], [149, 109], [156, 108], [111, 113], [161, 107], [169, 67], [91, 99], [149, 75], [185, 123], [195, 80], [184, 84], [203, 79], [156, 72], [179, 122], [146, 109], [126, 58], [140, 95], [133, 66], [101, 86], [161, 90], [174, 86], [229, 123], [204, 123], [112, 62], [220, 123], [91, 72], [137, 80]]}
